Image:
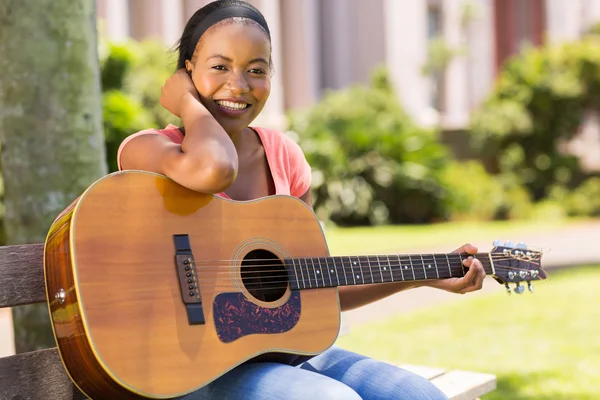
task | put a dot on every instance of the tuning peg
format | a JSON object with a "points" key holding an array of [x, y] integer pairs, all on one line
{"points": [[519, 288], [509, 244], [498, 243], [521, 246], [530, 287], [508, 291]]}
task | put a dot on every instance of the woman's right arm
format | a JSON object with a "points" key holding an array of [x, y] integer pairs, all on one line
{"points": [[206, 161]]}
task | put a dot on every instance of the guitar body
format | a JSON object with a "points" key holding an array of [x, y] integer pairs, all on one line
{"points": [[116, 301]]}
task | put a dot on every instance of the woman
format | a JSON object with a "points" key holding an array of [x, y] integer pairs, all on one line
{"points": [[221, 85]]}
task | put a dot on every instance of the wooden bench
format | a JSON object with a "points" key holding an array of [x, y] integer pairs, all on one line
{"points": [[37, 374], [456, 384], [41, 375]]}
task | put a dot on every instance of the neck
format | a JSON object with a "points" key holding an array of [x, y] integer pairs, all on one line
{"points": [[239, 138], [320, 272]]}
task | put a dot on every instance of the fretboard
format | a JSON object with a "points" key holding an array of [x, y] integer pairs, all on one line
{"points": [[321, 272]]}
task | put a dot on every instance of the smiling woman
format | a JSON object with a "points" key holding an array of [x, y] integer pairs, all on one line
{"points": [[222, 83]]}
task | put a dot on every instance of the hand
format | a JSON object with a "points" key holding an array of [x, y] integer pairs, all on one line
{"points": [[175, 90], [473, 279]]}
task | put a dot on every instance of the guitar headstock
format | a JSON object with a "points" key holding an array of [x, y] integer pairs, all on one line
{"points": [[516, 264]]}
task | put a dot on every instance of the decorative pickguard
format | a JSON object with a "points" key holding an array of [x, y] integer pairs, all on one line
{"points": [[236, 317]]}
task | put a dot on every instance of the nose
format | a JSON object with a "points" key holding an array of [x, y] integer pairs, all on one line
{"points": [[238, 84]]}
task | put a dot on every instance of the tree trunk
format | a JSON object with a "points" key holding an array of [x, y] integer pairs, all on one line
{"points": [[50, 125]]}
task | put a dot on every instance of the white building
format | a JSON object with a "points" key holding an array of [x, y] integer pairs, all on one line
{"points": [[320, 44]]}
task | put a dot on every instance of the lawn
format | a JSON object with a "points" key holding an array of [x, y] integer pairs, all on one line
{"points": [[544, 346], [401, 238]]}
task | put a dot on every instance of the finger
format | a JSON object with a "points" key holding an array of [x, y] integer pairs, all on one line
{"points": [[478, 277], [466, 248], [469, 277]]}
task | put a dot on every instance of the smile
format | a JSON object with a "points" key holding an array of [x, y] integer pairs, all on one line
{"points": [[233, 106]]}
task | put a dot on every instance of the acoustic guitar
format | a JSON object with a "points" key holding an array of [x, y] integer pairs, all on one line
{"points": [[155, 290]]}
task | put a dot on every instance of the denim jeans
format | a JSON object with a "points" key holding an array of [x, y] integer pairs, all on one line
{"points": [[336, 374]]}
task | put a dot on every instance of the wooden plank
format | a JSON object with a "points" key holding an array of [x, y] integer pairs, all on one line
{"points": [[37, 375], [22, 275], [465, 385]]}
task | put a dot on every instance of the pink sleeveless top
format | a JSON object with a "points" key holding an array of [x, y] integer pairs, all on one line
{"points": [[289, 168]]}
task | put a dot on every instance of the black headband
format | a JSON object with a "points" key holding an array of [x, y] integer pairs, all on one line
{"points": [[229, 11]]}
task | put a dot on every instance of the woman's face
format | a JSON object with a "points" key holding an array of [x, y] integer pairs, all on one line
{"points": [[231, 72]]}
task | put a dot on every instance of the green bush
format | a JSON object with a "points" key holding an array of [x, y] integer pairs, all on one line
{"points": [[132, 77], [371, 163], [539, 101], [472, 193]]}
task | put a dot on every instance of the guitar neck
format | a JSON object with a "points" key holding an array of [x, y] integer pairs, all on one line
{"points": [[322, 272]]}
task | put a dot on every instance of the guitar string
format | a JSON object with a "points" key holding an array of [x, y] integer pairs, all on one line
{"points": [[345, 268], [349, 266], [347, 260], [318, 284], [322, 278], [481, 256]]}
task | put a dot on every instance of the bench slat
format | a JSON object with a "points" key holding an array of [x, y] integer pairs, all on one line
{"points": [[465, 385], [36, 375], [22, 275]]}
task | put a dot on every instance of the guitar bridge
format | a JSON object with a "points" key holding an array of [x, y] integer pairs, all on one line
{"points": [[188, 280]]}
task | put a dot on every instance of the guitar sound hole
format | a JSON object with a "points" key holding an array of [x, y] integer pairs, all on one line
{"points": [[264, 275]]}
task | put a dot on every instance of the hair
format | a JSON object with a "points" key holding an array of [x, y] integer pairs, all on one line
{"points": [[186, 49]]}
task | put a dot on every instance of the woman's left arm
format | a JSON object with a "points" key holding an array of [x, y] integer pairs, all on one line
{"points": [[357, 296]]}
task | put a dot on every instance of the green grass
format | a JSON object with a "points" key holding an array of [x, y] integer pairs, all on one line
{"points": [[542, 346], [399, 238]]}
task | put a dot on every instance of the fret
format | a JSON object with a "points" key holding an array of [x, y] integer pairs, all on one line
{"points": [[400, 267], [462, 267], [393, 270], [329, 271], [309, 273], [337, 276], [440, 260], [386, 271], [296, 274], [449, 265], [319, 271], [301, 274], [369, 268], [367, 275], [388, 268], [437, 271], [340, 260], [360, 274], [352, 270], [380, 270], [412, 267], [423, 264]]}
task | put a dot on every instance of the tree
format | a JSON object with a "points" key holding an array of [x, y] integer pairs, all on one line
{"points": [[50, 125]]}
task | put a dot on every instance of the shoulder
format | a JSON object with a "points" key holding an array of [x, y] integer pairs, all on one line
{"points": [[276, 140], [287, 155]]}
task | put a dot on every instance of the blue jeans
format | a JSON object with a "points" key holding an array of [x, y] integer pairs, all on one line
{"points": [[336, 374]]}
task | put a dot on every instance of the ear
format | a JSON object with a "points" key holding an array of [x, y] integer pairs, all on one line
{"points": [[189, 67]]}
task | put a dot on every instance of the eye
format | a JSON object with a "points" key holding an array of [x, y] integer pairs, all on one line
{"points": [[219, 68], [257, 71]]}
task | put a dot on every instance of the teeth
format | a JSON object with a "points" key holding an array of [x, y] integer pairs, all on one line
{"points": [[232, 105]]}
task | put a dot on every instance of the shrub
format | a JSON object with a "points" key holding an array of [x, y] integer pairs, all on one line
{"points": [[371, 163], [132, 77], [538, 103]]}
